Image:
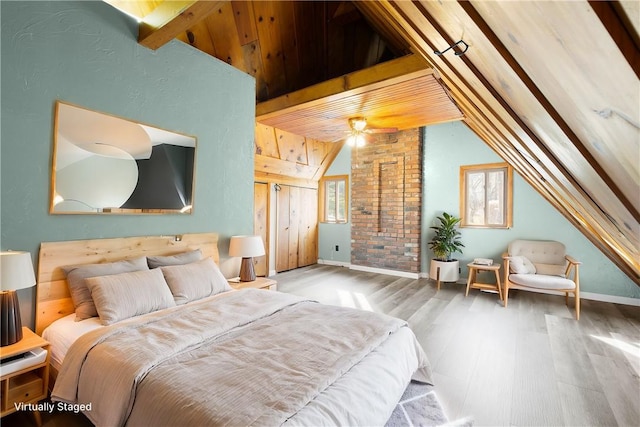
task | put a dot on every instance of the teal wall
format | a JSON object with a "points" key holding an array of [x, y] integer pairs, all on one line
{"points": [[451, 145], [86, 53], [447, 147], [330, 235]]}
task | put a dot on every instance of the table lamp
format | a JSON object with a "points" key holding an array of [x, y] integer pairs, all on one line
{"points": [[16, 272], [246, 247]]}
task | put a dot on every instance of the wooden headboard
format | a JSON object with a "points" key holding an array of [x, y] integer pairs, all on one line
{"points": [[53, 299]]}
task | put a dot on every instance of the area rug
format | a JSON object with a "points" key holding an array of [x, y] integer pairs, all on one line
{"points": [[419, 407]]}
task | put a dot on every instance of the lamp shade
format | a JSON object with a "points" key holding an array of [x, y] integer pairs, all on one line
{"points": [[16, 271], [246, 246]]}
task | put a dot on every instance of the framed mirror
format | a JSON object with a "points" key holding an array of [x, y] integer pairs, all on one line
{"points": [[106, 164]]}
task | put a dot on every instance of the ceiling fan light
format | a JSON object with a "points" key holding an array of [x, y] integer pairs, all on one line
{"points": [[358, 124], [351, 140], [359, 140]]}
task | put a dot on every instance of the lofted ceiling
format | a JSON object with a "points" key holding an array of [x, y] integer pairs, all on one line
{"points": [[551, 86]]}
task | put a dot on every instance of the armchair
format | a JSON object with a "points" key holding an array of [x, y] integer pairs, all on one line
{"points": [[538, 264]]}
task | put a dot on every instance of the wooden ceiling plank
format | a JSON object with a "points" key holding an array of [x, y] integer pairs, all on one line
{"points": [[171, 18], [199, 37], [270, 47], [609, 156], [137, 8], [621, 28], [245, 22], [221, 27]]}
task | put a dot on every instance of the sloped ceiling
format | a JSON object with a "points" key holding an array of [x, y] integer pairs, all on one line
{"points": [[551, 86]]}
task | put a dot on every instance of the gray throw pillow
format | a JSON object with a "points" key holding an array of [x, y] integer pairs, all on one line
{"points": [[178, 259], [76, 275]]}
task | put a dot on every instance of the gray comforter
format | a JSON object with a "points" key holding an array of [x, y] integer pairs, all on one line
{"points": [[248, 357]]}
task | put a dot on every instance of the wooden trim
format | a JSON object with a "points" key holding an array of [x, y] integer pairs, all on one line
{"points": [[322, 196], [171, 18], [508, 202], [53, 299]]}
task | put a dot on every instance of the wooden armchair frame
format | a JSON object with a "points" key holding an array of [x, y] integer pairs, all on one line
{"points": [[572, 272]]}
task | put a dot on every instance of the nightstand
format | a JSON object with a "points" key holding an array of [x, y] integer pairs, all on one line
{"points": [[29, 384], [259, 283], [473, 274]]}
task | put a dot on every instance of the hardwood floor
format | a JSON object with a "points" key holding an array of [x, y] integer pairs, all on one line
{"points": [[531, 364]]}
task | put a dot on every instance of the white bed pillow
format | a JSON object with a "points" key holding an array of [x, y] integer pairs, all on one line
{"points": [[76, 275], [521, 265], [178, 259], [190, 282], [120, 296]]}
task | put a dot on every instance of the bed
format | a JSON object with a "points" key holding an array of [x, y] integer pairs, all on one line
{"points": [[172, 354]]}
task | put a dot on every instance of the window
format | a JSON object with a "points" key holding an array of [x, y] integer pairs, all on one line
{"points": [[486, 195], [334, 198]]}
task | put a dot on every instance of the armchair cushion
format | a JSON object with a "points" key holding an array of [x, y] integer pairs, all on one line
{"points": [[542, 281], [521, 265], [539, 251]]}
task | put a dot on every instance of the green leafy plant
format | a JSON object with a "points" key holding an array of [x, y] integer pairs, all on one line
{"points": [[447, 238]]}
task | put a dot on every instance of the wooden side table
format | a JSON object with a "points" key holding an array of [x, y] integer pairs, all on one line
{"points": [[29, 384], [473, 273], [259, 283]]}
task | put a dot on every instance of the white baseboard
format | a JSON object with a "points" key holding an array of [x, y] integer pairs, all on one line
{"points": [[332, 262], [369, 269], [385, 271], [610, 298]]}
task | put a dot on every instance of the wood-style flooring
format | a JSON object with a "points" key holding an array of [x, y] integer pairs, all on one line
{"points": [[531, 364]]}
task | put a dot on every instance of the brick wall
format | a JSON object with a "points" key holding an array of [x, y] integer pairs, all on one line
{"points": [[386, 201]]}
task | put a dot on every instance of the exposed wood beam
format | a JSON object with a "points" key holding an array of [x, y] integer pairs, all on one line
{"points": [[171, 18], [620, 29], [397, 70]]}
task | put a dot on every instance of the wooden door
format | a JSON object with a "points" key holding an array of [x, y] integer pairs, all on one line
{"points": [[294, 225], [297, 227], [308, 230], [261, 225], [282, 228]]}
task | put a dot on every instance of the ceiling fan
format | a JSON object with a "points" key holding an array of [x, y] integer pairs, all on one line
{"points": [[359, 130]]}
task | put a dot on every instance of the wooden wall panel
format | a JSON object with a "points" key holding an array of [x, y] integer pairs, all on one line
{"points": [[285, 157], [292, 147], [266, 144]]}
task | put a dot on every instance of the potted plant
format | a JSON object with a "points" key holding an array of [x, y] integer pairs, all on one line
{"points": [[445, 242]]}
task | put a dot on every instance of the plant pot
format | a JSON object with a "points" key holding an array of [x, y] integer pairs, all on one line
{"points": [[449, 270]]}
